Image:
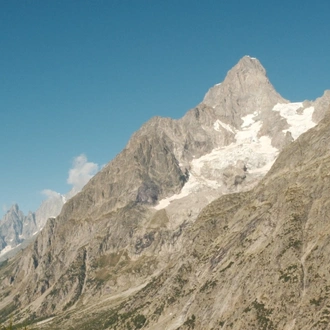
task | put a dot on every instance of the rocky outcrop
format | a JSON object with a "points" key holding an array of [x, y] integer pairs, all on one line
{"points": [[321, 104]]}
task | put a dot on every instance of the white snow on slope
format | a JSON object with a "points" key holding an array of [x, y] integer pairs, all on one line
{"points": [[188, 188], [249, 132], [299, 123], [249, 119], [257, 153], [219, 123], [205, 171], [5, 250]]}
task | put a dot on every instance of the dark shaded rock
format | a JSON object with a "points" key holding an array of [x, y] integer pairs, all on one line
{"points": [[148, 193]]}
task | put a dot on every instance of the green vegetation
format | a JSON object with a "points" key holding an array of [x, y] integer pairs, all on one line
{"points": [[316, 302], [5, 312], [190, 322], [159, 310], [227, 267], [289, 274], [263, 316], [139, 320], [3, 263], [295, 244], [208, 285], [10, 326], [123, 317]]}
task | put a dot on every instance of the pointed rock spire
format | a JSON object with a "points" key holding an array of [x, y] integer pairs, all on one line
{"points": [[246, 89], [14, 209]]}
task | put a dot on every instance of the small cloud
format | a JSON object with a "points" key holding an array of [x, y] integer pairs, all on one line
{"points": [[81, 172], [50, 193]]}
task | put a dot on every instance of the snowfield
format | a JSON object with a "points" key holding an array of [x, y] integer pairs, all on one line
{"points": [[257, 153]]}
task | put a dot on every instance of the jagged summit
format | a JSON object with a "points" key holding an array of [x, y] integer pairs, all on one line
{"points": [[13, 208], [250, 64], [15, 227], [246, 89]]}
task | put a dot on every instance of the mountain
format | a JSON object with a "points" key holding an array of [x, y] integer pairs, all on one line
{"points": [[49, 208], [192, 225], [16, 228]]}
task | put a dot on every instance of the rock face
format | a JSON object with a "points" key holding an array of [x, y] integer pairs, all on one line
{"points": [[245, 89], [321, 106], [149, 243]]}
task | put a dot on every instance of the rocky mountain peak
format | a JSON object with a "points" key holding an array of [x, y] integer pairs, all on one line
{"points": [[246, 89], [14, 228], [249, 63], [247, 76], [14, 209]]}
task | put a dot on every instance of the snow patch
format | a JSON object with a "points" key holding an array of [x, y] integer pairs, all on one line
{"points": [[257, 153], [5, 250], [252, 58], [193, 185], [207, 170], [219, 123], [299, 122], [249, 119], [249, 134]]}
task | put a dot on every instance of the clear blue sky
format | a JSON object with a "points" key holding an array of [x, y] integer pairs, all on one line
{"points": [[79, 77]]}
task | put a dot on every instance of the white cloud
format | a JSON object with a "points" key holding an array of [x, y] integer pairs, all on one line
{"points": [[81, 172], [50, 193]]}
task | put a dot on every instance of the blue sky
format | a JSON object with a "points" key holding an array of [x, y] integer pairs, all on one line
{"points": [[79, 77]]}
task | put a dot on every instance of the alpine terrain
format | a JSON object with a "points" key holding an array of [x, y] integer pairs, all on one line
{"points": [[17, 230], [218, 220]]}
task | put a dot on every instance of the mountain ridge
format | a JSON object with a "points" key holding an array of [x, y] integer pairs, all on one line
{"points": [[111, 238], [30, 224]]}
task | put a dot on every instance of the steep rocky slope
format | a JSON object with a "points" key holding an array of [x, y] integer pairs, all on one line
{"points": [[130, 251]]}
